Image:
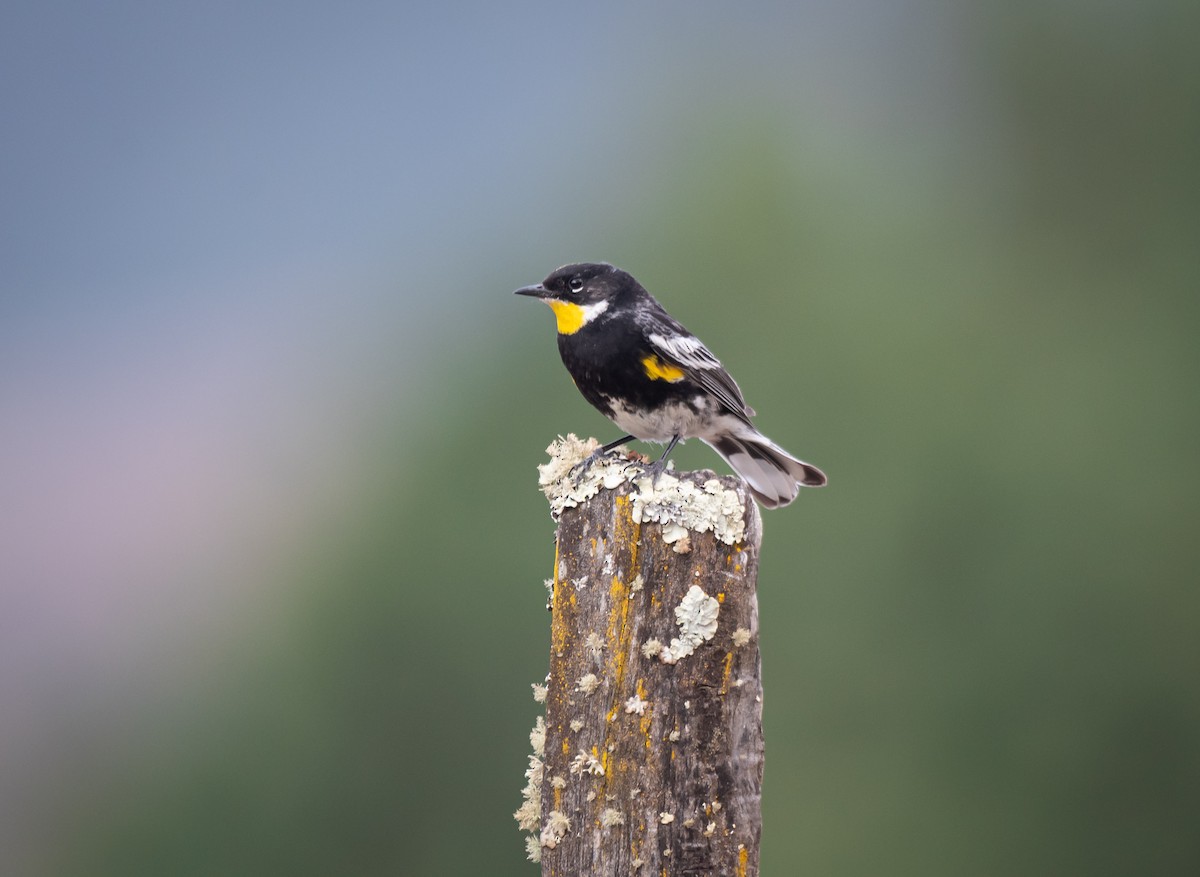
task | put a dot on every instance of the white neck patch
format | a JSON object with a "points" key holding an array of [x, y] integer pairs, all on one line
{"points": [[595, 309]]}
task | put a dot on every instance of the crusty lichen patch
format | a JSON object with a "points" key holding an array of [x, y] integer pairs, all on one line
{"points": [[529, 814], [679, 504], [586, 763], [556, 827], [696, 616], [563, 491]]}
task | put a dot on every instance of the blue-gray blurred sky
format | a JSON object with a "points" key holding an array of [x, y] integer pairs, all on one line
{"points": [[227, 228]]}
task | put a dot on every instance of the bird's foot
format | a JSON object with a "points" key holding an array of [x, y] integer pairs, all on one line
{"points": [[590, 460], [659, 466], [655, 471], [598, 454]]}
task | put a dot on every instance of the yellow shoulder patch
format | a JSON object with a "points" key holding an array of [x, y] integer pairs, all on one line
{"points": [[570, 317], [657, 370]]}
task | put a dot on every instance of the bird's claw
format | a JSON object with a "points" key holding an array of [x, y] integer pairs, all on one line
{"points": [[588, 461], [655, 471]]}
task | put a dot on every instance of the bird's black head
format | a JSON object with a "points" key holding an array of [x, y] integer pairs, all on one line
{"points": [[584, 291]]}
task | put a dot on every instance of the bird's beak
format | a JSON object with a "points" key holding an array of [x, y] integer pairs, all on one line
{"points": [[537, 291]]}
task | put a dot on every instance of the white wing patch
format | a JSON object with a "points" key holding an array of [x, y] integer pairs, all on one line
{"points": [[687, 350]]}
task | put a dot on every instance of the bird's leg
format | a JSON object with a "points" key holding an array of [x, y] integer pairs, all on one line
{"points": [[659, 466], [602, 451], [612, 446]]}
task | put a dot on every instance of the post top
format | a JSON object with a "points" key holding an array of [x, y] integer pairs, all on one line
{"points": [[681, 502]]}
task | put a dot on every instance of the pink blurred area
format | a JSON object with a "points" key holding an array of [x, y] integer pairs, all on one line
{"points": [[162, 469]]}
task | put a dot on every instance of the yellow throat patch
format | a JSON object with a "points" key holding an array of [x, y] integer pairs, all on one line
{"points": [[657, 370], [570, 317]]}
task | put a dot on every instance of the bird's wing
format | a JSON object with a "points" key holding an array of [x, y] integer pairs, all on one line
{"points": [[679, 347]]}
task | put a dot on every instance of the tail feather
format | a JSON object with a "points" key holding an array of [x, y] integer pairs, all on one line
{"points": [[773, 475]]}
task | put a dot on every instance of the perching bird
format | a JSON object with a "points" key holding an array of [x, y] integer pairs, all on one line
{"points": [[657, 381]]}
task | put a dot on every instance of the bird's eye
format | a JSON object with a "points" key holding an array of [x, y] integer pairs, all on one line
{"points": [[576, 284]]}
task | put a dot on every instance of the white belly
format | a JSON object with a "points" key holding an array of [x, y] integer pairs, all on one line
{"points": [[662, 424]]}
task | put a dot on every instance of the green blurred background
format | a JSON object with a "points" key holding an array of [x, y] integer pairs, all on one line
{"points": [[273, 552]]}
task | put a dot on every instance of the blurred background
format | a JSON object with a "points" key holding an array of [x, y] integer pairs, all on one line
{"points": [[271, 548]]}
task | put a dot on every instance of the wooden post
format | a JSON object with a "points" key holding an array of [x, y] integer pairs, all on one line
{"points": [[649, 760]]}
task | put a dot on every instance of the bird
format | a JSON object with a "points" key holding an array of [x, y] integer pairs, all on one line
{"points": [[657, 381]]}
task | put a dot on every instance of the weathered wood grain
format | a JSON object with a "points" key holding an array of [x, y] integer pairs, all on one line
{"points": [[653, 754]]}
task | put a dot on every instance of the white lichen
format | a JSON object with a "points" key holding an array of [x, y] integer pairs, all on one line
{"points": [[558, 782], [610, 817], [673, 532], [651, 648], [533, 849], [696, 616], [539, 691], [537, 737], [637, 584], [587, 683], [666, 818], [635, 704], [678, 504], [530, 811], [556, 827], [555, 477], [710, 829], [576, 725], [594, 645], [740, 637], [586, 762], [527, 815]]}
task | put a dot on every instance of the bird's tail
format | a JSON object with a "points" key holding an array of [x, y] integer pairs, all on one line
{"points": [[773, 475]]}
